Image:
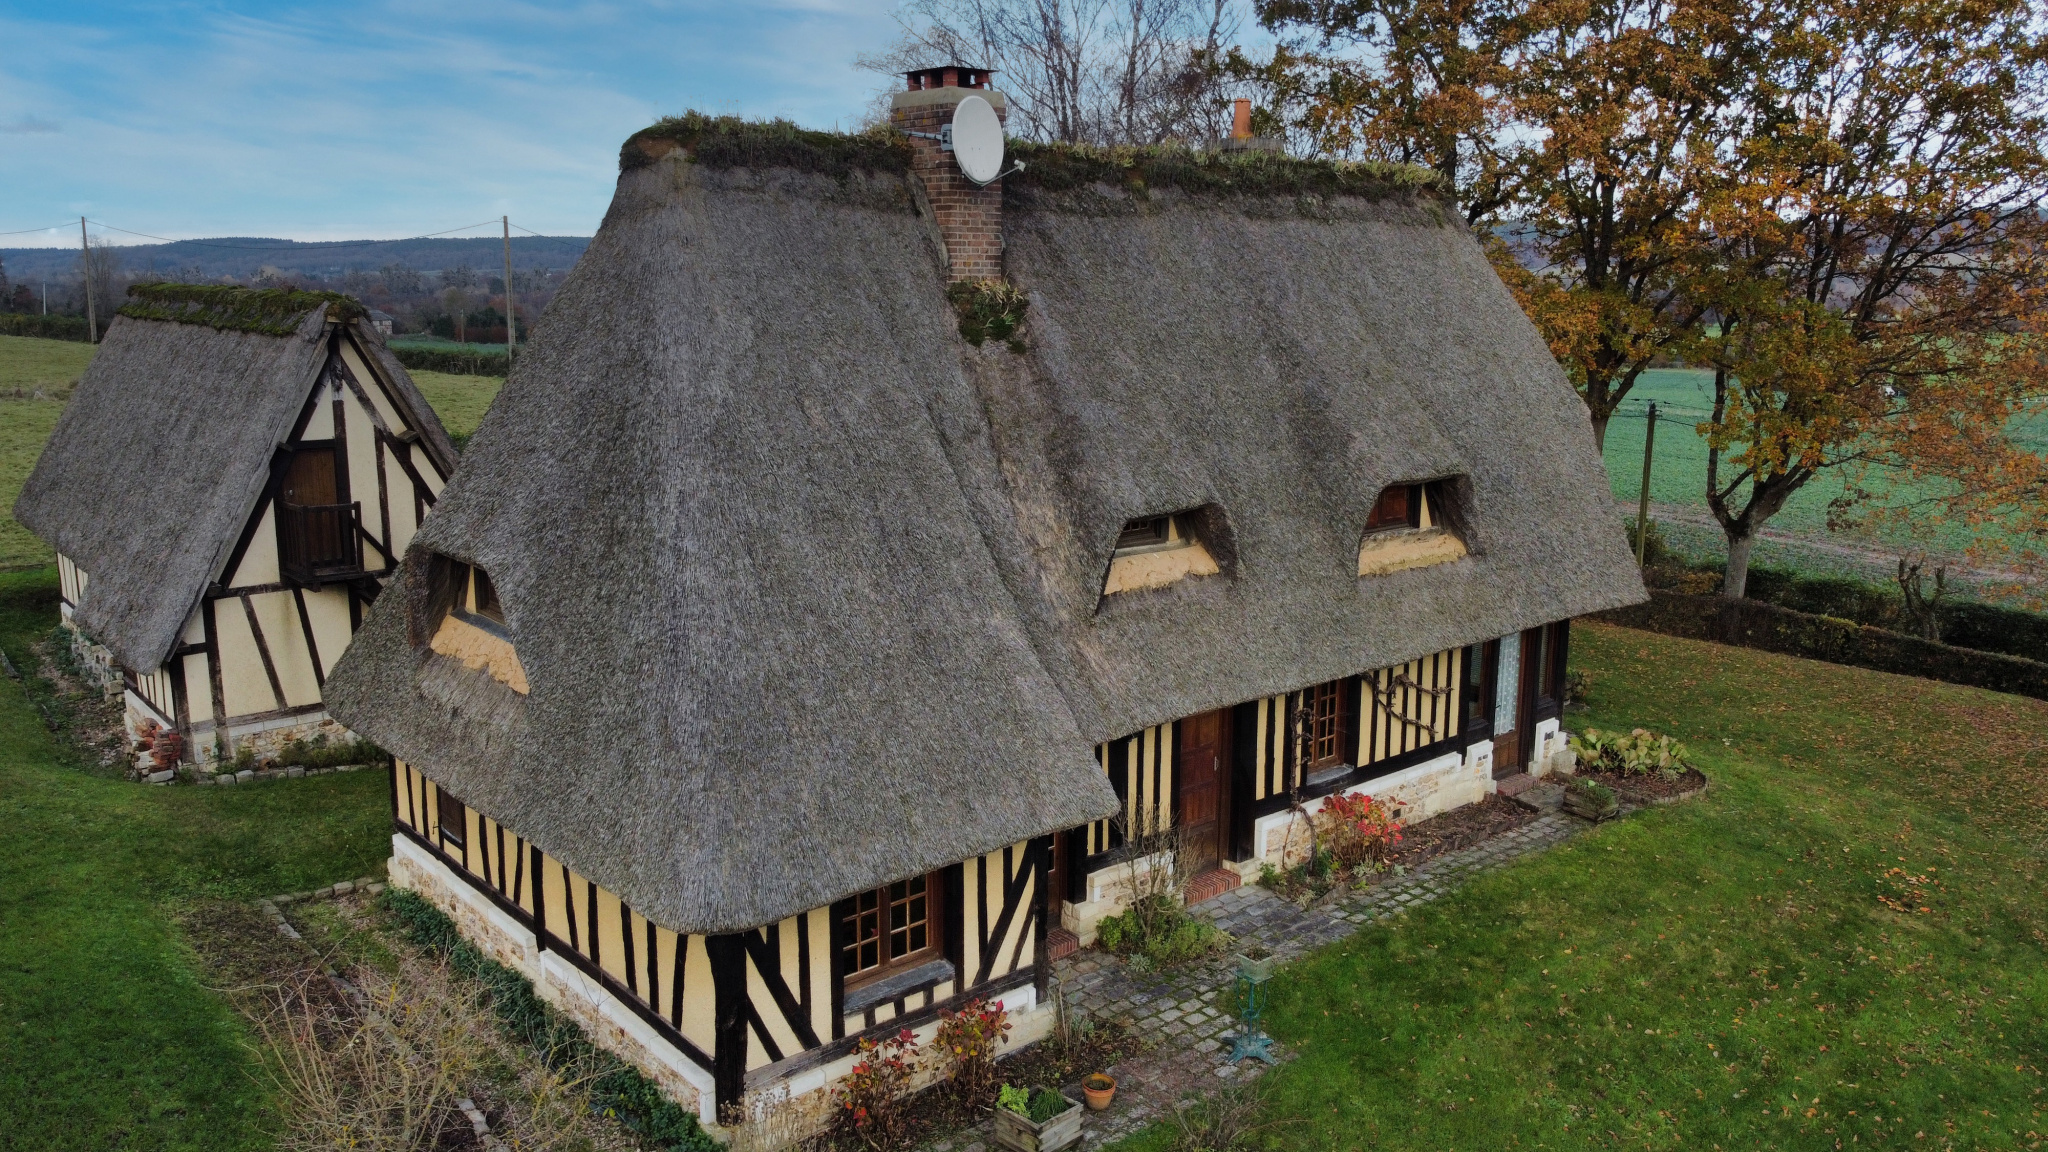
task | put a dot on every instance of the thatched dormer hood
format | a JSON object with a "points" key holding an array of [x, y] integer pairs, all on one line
{"points": [[160, 457], [807, 588]]}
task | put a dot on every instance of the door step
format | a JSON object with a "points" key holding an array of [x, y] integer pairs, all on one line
{"points": [[1211, 884], [1060, 944]]}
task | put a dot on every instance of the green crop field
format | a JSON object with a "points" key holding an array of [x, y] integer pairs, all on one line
{"points": [[51, 367], [1684, 398]]}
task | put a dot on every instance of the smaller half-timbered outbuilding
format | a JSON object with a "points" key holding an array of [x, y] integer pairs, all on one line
{"points": [[235, 477], [789, 664]]}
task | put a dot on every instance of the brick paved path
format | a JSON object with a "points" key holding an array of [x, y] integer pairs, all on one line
{"points": [[1184, 1015]]}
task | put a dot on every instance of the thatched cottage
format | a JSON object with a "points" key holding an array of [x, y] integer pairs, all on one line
{"points": [[842, 659], [236, 475]]}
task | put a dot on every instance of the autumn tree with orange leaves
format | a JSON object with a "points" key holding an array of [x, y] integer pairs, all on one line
{"points": [[1880, 270], [1837, 206]]}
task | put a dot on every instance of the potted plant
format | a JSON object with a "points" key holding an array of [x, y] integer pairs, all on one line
{"points": [[1038, 1120], [1100, 1089], [1255, 963]]}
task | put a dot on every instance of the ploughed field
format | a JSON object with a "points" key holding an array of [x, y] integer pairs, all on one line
{"points": [[1840, 945], [29, 366]]}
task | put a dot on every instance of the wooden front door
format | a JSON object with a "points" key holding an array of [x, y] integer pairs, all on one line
{"points": [[1201, 776], [1508, 754], [310, 478]]}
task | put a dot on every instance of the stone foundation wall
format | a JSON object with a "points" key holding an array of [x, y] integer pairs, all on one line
{"points": [[775, 1115], [96, 664]]}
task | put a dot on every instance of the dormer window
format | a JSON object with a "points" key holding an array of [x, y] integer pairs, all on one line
{"points": [[471, 622], [1151, 534], [1155, 551], [1408, 528]]}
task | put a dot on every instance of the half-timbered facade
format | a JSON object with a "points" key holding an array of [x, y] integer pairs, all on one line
{"points": [[827, 670], [235, 478]]}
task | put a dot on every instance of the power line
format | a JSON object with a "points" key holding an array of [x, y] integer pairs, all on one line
{"points": [[26, 231]]}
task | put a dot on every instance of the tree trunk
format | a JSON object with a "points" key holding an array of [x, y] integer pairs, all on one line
{"points": [[1735, 577], [1600, 432]]}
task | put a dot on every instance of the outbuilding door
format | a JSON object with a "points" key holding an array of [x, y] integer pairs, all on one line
{"points": [[1202, 776]]}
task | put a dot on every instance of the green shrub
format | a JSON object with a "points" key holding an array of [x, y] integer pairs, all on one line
{"points": [[1637, 753], [453, 362], [1655, 549], [319, 753], [48, 327], [1162, 931], [619, 1090]]}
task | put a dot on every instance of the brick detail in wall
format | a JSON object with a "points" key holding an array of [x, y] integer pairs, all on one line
{"points": [[970, 217]]}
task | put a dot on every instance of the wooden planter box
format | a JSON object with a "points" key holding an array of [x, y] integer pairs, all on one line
{"points": [[1016, 1132]]}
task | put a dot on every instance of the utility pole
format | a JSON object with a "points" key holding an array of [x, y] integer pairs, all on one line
{"points": [[92, 320], [46, 296], [1643, 503], [510, 324]]}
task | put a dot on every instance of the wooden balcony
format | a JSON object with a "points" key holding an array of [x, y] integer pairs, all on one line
{"points": [[319, 543]]}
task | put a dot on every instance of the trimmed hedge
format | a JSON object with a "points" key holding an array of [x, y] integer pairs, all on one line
{"points": [[1964, 623], [619, 1091], [457, 363], [45, 327], [1754, 624]]}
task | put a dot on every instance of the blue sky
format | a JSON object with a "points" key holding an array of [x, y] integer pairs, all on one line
{"points": [[340, 121]]}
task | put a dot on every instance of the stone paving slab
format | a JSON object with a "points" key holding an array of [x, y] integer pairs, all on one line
{"points": [[1188, 1014]]}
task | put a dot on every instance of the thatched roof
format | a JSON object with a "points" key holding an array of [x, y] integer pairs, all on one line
{"points": [[165, 448], [807, 588]]}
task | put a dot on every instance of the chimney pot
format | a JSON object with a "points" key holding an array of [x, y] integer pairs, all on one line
{"points": [[1241, 120]]}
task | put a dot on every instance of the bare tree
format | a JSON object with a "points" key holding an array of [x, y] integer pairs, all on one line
{"points": [[1083, 71]]}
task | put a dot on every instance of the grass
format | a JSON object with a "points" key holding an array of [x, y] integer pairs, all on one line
{"points": [[108, 1036], [1734, 971], [26, 366], [460, 401]]}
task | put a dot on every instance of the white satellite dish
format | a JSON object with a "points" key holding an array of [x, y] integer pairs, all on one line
{"points": [[977, 140]]}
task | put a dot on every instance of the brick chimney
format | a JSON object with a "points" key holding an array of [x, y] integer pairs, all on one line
{"points": [[969, 215]]}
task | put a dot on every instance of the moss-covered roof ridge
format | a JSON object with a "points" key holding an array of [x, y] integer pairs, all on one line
{"points": [[1066, 167], [269, 311], [733, 142]]}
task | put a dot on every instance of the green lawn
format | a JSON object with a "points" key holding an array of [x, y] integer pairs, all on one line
{"points": [[108, 1036], [459, 401], [26, 366], [1725, 973]]}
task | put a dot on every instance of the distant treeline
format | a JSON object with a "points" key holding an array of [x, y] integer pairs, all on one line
{"points": [[46, 327], [248, 257]]}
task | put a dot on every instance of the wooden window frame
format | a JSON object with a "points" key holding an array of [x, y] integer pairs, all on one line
{"points": [[443, 800], [1153, 534], [1339, 721], [1383, 519], [891, 962], [484, 596]]}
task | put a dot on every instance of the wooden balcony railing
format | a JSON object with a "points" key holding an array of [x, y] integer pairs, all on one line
{"points": [[319, 543]]}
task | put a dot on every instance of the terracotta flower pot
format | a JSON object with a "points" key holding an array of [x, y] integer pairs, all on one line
{"points": [[1100, 1089]]}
